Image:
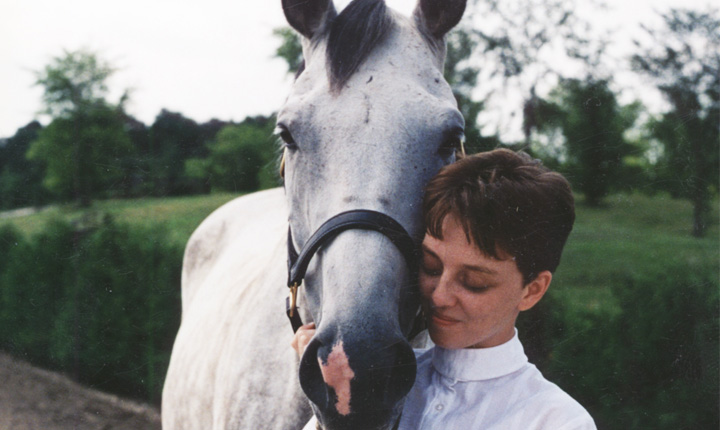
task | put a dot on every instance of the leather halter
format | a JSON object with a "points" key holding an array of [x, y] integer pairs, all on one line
{"points": [[360, 219]]}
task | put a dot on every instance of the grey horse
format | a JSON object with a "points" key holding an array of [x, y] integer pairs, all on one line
{"points": [[368, 122]]}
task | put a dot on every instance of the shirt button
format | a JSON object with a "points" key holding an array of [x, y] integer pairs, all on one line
{"points": [[439, 407]]}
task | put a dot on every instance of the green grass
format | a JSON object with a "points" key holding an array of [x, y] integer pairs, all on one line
{"points": [[179, 215], [630, 234]]}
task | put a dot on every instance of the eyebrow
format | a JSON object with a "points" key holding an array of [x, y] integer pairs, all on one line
{"points": [[465, 266]]}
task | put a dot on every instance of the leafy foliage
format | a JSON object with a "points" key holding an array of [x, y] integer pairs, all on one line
{"points": [[290, 48], [684, 61], [20, 179], [462, 77], [82, 147], [82, 153], [520, 44], [99, 302], [173, 138], [652, 363], [74, 82], [240, 159], [593, 124]]}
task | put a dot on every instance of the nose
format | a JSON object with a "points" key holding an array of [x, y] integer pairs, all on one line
{"points": [[442, 294], [354, 382]]}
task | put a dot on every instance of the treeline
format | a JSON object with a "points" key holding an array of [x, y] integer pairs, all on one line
{"points": [[101, 304], [93, 149], [109, 154]]}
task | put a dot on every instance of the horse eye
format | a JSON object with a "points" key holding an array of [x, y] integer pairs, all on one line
{"points": [[452, 142], [285, 135]]}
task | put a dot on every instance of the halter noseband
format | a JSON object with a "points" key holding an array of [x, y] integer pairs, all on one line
{"points": [[360, 219]]}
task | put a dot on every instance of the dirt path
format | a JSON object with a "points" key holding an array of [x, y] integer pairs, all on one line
{"points": [[34, 399]]}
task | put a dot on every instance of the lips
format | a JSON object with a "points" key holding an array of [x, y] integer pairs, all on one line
{"points": [[443, 320]]}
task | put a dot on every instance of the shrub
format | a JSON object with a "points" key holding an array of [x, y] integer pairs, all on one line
{"points": [[101, 304], [33, 283], [654, 362]]}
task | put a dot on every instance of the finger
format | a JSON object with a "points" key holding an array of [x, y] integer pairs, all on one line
{"points": [[309, 326], [304, 341]]}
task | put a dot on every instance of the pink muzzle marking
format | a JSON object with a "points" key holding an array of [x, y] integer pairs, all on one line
{"points": [[337, 374]]}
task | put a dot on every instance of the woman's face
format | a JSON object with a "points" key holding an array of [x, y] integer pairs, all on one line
{"points": [[470, 299]]}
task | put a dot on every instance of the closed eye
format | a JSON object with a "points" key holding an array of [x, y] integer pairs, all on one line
{"points": [[430, 265], [476, 288], [430, 271]]}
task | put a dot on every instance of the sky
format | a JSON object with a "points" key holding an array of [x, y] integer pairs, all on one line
{"points": [[205, 59]]}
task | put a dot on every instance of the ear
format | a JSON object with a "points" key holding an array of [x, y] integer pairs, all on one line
{"points": [[439, 16], [535, 290], [308, 16]]}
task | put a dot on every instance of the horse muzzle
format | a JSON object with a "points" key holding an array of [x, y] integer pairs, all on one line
{"points": [[357, 381]]}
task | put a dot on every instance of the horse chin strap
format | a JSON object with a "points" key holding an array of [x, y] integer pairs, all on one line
{"points": [[360, 219]]}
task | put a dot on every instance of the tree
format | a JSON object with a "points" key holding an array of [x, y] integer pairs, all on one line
{"points": [[520, 41], [462, 76], [593, 125], [236, 158], [82, 146], [136, 165], [684, 62], [173, 139], [83, 153], [20, 179], [290, 48]]}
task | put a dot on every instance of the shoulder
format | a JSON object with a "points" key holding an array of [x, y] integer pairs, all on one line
{"points": [[550, 406], [423, 357]]}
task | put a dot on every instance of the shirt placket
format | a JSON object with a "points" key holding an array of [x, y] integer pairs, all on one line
{"points": [[442, 402]]}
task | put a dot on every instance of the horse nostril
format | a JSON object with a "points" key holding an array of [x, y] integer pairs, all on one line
{"points": [[391, 382], [311, 378]]}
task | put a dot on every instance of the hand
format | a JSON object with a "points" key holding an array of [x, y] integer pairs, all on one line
{"points": [[302, 338]]}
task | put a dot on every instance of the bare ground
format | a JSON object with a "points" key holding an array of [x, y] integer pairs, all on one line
{"points": [[34, 399]]}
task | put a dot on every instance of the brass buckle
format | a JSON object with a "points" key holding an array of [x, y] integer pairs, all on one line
{"points": [[293, 298]]}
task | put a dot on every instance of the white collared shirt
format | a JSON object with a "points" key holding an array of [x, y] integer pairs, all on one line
{"points": [[488, 388]]}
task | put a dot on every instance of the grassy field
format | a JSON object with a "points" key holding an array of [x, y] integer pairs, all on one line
{"points": [[179, 215], [629, 233]]}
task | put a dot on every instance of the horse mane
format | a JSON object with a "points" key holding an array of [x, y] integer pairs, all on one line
{"points": [[352, 35]]}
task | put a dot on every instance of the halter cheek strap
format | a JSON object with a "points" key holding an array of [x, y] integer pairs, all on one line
{"points": [[360, 219]]}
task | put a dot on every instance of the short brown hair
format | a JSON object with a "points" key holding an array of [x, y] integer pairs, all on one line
{"points": [[505, 201]]}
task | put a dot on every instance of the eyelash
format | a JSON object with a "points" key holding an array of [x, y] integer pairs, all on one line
{"points": [[435, 273], [476, 290]]}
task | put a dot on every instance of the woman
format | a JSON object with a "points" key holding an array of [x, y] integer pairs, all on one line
{"points": [[496, 226]]}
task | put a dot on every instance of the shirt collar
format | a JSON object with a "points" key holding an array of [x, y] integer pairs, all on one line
{"points": [[482, 363]]}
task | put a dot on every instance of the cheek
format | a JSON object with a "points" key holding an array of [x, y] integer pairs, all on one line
{"points": [[472, 306], [479, 307]]}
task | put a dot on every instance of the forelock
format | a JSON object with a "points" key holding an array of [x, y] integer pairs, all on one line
{"points": [[352, 36]]}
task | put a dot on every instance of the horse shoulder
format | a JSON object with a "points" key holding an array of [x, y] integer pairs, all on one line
{"points": [[233, 300], [241, 220]]}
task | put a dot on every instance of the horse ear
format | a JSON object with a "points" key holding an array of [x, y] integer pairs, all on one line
{"points": [[308, 16], [439, 16]]}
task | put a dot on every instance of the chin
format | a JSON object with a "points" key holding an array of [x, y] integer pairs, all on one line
{"points": [[445, 342]]}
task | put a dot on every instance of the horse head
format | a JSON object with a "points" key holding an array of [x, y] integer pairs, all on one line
{"points": [[369, 120]]}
